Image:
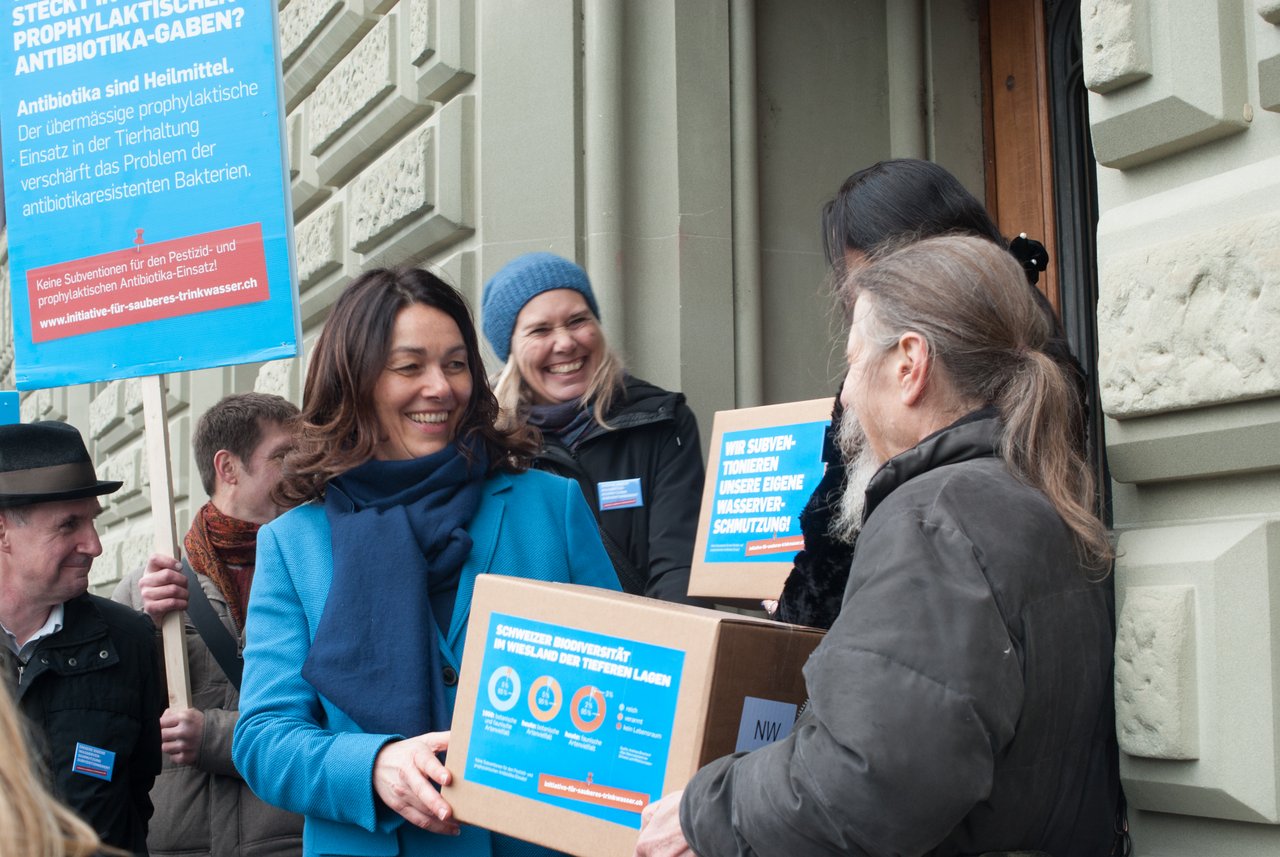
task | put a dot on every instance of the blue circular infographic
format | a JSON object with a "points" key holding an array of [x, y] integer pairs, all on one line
{"points": [[504, 688]]}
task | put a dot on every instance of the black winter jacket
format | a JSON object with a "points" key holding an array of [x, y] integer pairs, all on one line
{"points": [[814, 589], [652, 435], [961, 702], [97, 682]]}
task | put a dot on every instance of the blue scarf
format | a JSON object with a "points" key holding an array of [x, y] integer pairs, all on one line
{"points": [[399, 543], [566, 422]]}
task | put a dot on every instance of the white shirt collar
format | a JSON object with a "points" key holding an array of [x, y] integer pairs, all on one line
{"points": [[51, 626]]}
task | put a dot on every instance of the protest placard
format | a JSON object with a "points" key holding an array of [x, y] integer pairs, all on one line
{"points": [[145, 187], [147, 202], [764, 464]]}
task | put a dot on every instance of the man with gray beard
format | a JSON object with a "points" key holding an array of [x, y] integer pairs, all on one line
{"points": [[852, 442], [961, 703], [878, 208]]}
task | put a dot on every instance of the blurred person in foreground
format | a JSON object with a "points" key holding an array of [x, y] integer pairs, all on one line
{"points": [[632, 447], [888, 205], [32, 822], [362, 594], [203, 807], [962, 701]]}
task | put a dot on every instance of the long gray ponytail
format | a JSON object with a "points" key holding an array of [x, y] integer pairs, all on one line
{"points": [[968, 298]]}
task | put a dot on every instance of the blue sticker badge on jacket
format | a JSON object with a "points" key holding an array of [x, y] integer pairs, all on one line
{"points": [[93, 761], [620, 494]]}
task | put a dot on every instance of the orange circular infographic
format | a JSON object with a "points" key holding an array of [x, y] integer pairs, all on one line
{"points": [[545, 698], [587, 709]]}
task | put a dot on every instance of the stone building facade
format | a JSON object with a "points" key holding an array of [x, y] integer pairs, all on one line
{"points": [[1183, 109], [681, 150]]}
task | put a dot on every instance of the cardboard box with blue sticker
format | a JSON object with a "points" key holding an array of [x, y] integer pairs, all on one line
{"points": [[578, 707]]}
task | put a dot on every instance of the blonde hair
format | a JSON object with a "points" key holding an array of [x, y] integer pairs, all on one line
{"points": [[33, 823], [515, 398], [968, 298]]}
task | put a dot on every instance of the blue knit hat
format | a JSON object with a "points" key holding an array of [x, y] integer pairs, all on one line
{"points": [[520, 281]]}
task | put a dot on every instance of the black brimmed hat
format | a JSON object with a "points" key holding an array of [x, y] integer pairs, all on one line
{"points": [[45, 461]]}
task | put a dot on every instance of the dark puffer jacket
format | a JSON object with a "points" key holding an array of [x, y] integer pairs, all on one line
{"points": [[97, 682], [652, 436], [961, 702]]}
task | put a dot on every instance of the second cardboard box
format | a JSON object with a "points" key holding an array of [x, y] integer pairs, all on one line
{"points": [[577, 707]]}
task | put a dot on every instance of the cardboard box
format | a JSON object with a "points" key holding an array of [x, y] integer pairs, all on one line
{"points": [[763, 466], [577, 707]]}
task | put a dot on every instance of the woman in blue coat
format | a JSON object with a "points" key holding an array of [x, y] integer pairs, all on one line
{"points": [[361, 598]]}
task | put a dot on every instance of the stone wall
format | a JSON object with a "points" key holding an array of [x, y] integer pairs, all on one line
{"points": [[1186, 133], [681, 151]]}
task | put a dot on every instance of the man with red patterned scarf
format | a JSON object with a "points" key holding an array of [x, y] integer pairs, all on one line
{"points": [[203, 807]]}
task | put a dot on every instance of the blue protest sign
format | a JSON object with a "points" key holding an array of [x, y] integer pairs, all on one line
{"points": [[764, 464], [762, 482], [145, 186]]}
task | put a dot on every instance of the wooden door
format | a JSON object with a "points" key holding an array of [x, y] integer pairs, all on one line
{"points": [[1018, 146]]}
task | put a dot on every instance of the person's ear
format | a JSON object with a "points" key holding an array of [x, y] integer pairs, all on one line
{"points": [[914, 362], [226, 465], [4, 534]]}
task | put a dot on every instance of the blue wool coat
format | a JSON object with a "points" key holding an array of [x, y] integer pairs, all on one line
{"points": [[300, 752]]}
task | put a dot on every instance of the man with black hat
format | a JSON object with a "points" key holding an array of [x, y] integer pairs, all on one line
{"points": [[84, 670]]}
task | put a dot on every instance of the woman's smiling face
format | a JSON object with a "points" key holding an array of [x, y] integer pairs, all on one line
{"points": [[557, 346], [425, 386]]}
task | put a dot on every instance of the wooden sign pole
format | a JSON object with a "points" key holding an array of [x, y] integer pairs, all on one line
{"points": [[155, 418]]}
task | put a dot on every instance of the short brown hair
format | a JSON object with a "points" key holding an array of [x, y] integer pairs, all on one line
{"points": [[235, 424], [338, 429]]}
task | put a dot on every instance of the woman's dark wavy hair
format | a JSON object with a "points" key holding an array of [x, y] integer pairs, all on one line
{"points": [[338, 429], [893, 203]]}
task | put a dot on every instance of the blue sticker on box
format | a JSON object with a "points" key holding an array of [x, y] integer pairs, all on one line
{"points": [[764, 477], [574, 719], [620, 494], [93, 761], [763, 722]]}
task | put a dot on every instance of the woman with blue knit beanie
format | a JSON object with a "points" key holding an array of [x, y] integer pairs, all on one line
{"points": [[403, 492], [633, 447]]}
